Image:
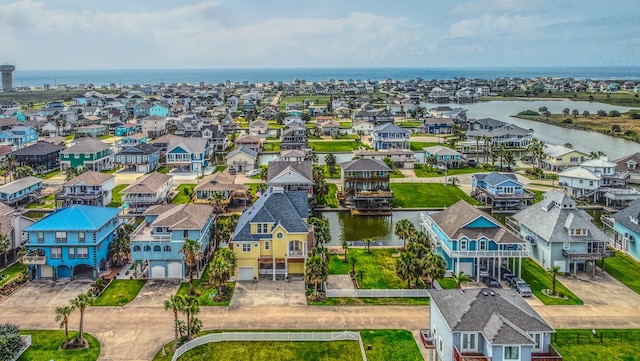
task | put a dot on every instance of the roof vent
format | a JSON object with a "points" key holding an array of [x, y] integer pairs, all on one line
{"points": [[492, 293], [485, 293]]}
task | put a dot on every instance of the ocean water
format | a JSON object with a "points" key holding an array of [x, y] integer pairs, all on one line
{"points": [[194, 76]]}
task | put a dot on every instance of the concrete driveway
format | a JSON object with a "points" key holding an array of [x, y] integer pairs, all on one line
{"points": [[47, 293], [601, 290], [268, 293], [155, 292]]}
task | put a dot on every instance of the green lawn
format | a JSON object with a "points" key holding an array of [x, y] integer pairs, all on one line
{"points": [[162, 170], [447, 283], [538, 279], [336, 145], [116, 199], [427, 195], [45, 345], [184, 192], [271, 147], [335, 175], [424, 171], [331, 200], [119, 292], [625, 269], [205, 290], [48, 202], [390, 345], [108, 171], [374, 301], [10, 272], [379, 267], [51, 174], [581, 345], [396, 174], [420, 145]]}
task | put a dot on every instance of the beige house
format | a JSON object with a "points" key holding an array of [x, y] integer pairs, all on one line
{"points": [[242, 159], [153, 188], [559, 158], [154, 126]]}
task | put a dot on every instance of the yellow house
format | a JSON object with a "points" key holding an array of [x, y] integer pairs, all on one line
{"points": [[558, 157], [272, 238]]}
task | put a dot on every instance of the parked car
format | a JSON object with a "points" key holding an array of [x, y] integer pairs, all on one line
{"points": [[252, 173], [232, 171], [491, 282], [522, 288], [483, 272], [472, 163], [506, 274]]}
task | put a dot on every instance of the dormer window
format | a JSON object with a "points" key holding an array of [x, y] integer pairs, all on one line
{"points": [[631, 165], [634, 219]]}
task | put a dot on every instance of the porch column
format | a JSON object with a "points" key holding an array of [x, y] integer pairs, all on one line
{"points": [[273, 264], [500, 268], [71, 269], [520, 267], [575, 267], [477, 269]]}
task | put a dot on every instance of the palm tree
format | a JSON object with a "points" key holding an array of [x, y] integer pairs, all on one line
{"points": [[176, 304], [192, 253], [502, 150], [368, 242], [509, 160], [554, 271], [345, 247], [5, 243], [41, 169], [191, 308], [461, 278], [222, 267], [431, 160], [477, 139], [62, 316], [81, 302], [420, 237], [316, 271], [216, 199], [403, 229], [353, 261], [407, 267], [434, 266], [11, 163]]}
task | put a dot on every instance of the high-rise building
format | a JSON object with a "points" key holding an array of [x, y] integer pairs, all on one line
{"points": [[7, 76]]}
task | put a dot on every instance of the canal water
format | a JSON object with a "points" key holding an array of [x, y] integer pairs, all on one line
{"points": [[344, 226]]}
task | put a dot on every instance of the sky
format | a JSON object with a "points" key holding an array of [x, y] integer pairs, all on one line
{"points": [[188, 34]]}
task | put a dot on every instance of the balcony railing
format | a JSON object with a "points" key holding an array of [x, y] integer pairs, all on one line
{"points": [[296, 254], [466, 356], [374, 194], [552, 355], [34, 259]]}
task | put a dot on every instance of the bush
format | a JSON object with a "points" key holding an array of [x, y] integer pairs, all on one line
{"points": [[10, 341], [529, 112], [567, 121], [614, 113]]}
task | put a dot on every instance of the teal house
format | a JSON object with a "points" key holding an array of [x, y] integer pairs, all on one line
{"points": [[72, 242], [88, 152], [125, 129]]}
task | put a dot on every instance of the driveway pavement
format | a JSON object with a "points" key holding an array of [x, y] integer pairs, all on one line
{"points": [[47, 293], [155, 292], [268, 293], [601, 290]]}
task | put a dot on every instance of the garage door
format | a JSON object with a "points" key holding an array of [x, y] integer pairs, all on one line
{"points": [[142, 168], [466, 267], [157, 272], [562, 265], [175, 270], [46, 271], [245, 273]]}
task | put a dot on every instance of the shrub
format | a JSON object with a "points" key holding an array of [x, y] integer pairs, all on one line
{"points": [[10, 341], [614, 113], [567, 121], [529, 112]]}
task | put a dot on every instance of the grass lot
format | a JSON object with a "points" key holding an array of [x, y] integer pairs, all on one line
{"points": [[396, 174], [51, 174], [427, 195], [108, 171], [116, 199], [379, 267], [106, 136], [162, 170], [45, 345], [184, 194], [378, 301], [48, 202], [119, 292], [271, 147], [424, 171], [336, 174], [538, 279], [204, 290], [399, 343], [336, 146], [316, 99], [580, 345], [331, 199], [409, 124], [420, 145], [625, 269], [447, 283], [10, 272]]}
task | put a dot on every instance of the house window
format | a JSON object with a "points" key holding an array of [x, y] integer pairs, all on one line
{"points": [[136, 248], [566, 245], [482, 245], [246, 247], [72, 252], [56, 252], [40, 236], [147, 248], [537, 337], [81, 237], [468, 342], [512, 352], [167, 248], [440, 345], [185, 233], [463, 245], [61, 237], [83, 252], [266, 245], [262, 228]]}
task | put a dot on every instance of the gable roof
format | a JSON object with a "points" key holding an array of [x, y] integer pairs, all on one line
{"points": [[140, 149], [621, 163], [148, 183], [501, 315], [90, 178], [86, 145], [219, 181], [250, 152], [193, 145], [453, 222], [580, 173], [40, 148], [75, 218], [20, 184], [363, 164], [555, 151], [495, 178], [286, 209], [180, 216], [624, 216], [389, 128], [300, 171], [440, 150]]}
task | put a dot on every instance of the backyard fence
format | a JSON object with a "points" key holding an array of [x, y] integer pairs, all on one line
{"points": [[399, 293], [273, 337], [573, 338]]}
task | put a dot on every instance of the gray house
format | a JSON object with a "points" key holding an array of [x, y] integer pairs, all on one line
{"points": [[559, 234], [487, 324]]}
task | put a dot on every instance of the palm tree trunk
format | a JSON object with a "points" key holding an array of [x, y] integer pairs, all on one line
{"points": [[190, 279], [175, 326], [409, 283], [66, 331], [81, 329]]}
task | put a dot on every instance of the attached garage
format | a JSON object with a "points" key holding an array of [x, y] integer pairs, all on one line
{"points": [[46, 271], [64, 272], [175, 270], [467, 268], [142, 168], [157, 272], [562, 265], [245, 273]]}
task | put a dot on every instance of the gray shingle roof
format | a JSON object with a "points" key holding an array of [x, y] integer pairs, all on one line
{"points": [[19, 184], [453, 220], [194, 145], [180, 216], [624, 216], [86, 145], [148, 183], [363, 164], [554, 216], [501, 314], [277, 167], [90, 178], [39, 148], [495, 178], [250, 152], [288, 209], [140, 149]]}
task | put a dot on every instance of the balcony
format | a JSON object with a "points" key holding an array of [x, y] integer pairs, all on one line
{"points": [[296, 254], [374, 194], [479, 253], [552, 355], [468, 356], [428, 340], [370, 178], [34, 259]]}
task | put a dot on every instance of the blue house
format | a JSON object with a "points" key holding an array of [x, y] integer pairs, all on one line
{"points": [[390, 136], [148, 110], [483, 324], [439, 125], [71, 242], [627, 229], [158, 239], [159, 111], [125, 129], [20, 116], [500, 190], [445, 157], [468, 238], [21, 190], [142, 157], [19, 136], [190, 154]]}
